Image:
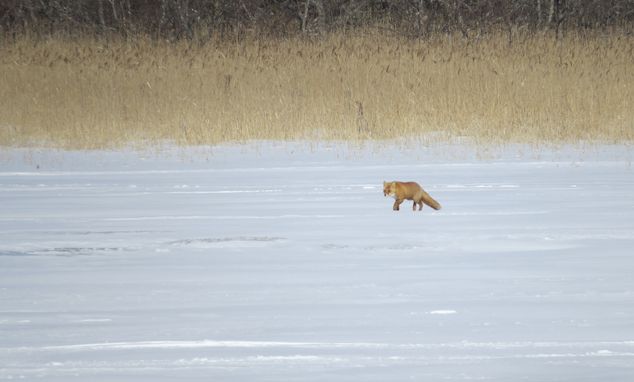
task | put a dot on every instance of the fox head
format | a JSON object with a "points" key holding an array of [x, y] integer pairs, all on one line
{"points": [[388, 188]]}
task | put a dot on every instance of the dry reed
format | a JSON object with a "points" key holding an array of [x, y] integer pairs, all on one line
{"points": [[96, 94]]}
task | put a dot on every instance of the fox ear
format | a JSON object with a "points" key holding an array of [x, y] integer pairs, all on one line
{"points": [[384, 183]]}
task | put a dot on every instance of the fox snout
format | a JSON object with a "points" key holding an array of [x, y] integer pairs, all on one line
{"points": [[387, 190]]}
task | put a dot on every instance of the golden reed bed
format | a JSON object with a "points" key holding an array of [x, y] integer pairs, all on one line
{"points": [[91, 93]]}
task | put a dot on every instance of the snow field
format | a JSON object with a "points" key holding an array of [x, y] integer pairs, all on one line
{"points": [[279, 264]]}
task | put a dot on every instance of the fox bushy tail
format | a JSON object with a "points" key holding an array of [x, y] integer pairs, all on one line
{"points": [[427, 199]]}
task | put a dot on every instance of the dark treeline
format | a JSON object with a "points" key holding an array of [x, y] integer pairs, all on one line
{"points": [[177, 19]]}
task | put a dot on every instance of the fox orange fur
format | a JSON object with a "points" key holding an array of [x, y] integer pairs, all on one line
{"points": [[401, 191]]}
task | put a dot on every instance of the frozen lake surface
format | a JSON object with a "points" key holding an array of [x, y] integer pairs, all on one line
{"points": [[286, 262]]}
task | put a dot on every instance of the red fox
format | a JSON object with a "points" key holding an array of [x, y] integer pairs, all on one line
{"points": [[410, 191]]}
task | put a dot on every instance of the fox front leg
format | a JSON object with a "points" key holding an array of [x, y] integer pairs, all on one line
{"points": [[397, 203]]}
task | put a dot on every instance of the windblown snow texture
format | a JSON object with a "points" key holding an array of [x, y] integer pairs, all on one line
{"points": [[277, 263]]}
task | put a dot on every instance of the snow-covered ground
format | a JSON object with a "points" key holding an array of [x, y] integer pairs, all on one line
{"points": [[276, 262]]}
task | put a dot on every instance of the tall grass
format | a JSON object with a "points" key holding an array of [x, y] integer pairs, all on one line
{"points": [[97, 93]]}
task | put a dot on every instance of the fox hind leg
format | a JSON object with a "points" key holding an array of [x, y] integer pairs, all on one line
{"points": [[414, 206]]}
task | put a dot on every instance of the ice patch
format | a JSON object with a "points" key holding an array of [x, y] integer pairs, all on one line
{"points": [[227, 242], [64, 251], [224, 217], [482, 186], [227, 191], [444, 312], [77, 251], [197, 344], [15, 253]]}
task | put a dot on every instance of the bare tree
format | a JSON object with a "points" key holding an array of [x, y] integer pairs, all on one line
{"points": [[310, 22], [414, 18]]}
